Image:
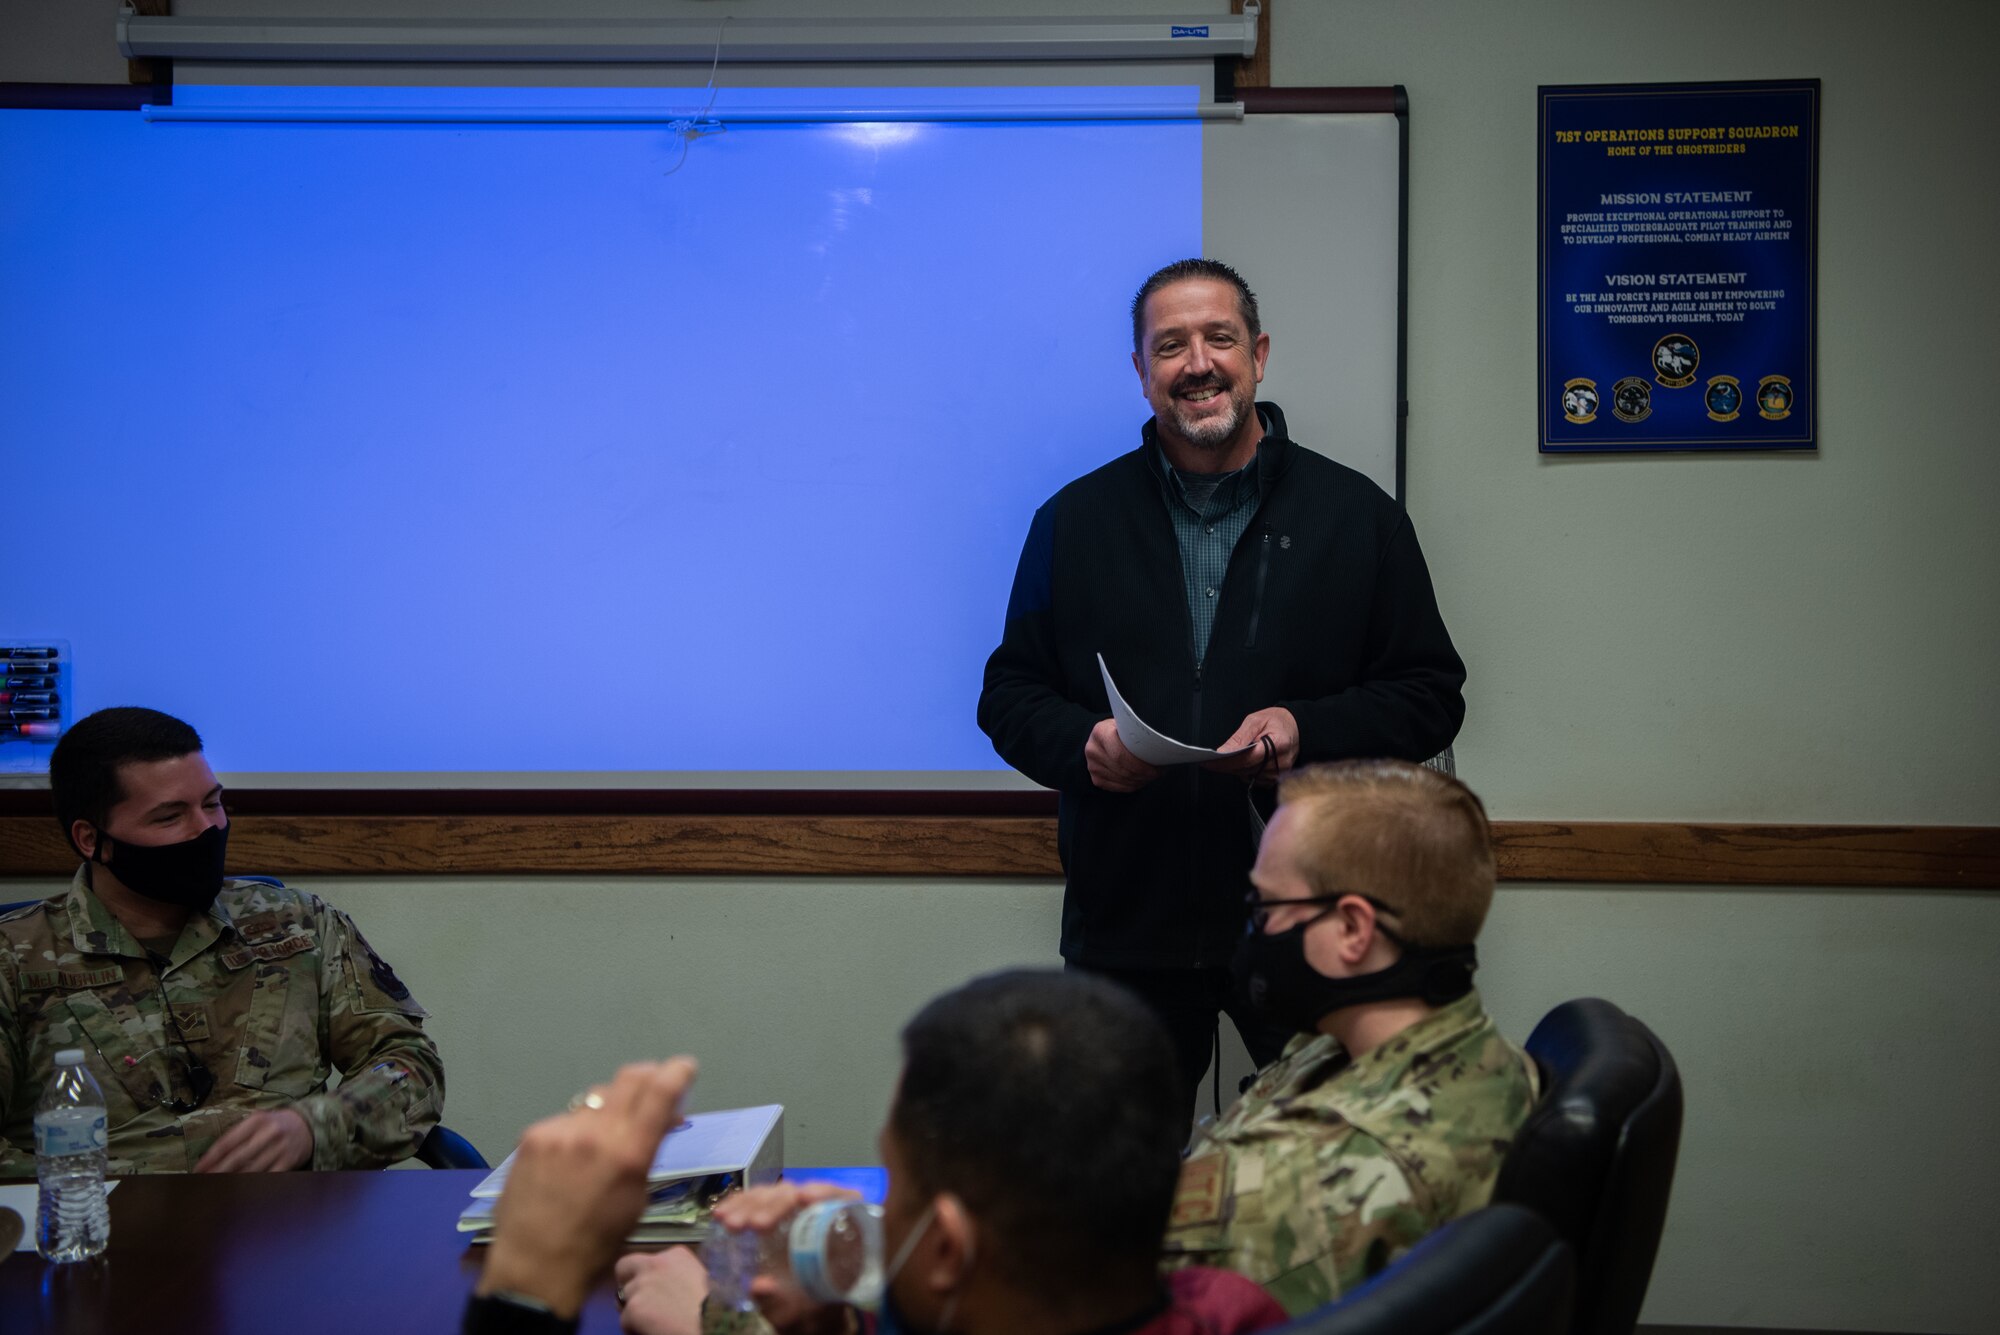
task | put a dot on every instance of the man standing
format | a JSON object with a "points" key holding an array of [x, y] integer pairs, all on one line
{"points": [[1245, 593], [1390, 1111], [211, 1011]]}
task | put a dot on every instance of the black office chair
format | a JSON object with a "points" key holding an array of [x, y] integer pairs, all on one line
{"points": [[1498, 1271], [444, 1148], [1596, 1156]]}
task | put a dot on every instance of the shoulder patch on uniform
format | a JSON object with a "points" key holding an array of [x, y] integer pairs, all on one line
{"points": [[1198, 1197], [384, 976]]}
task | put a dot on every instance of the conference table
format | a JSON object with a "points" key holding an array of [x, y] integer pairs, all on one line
{"points": [[356, 1253]]}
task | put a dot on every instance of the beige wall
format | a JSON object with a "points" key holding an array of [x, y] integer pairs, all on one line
{"points": [[1788, 639], [1753, 638]]}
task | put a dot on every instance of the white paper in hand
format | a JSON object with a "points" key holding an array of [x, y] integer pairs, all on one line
{"points": [[1147, 742]]}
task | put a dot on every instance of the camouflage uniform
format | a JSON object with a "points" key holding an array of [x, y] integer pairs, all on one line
{"points": [[1328, 1169], [272, 990]]}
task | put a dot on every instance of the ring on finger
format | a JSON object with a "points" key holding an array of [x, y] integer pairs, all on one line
{"points": [[588, 1101]]}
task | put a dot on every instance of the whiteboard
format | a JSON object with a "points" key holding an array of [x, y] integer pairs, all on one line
{"points": [[570, 456]]}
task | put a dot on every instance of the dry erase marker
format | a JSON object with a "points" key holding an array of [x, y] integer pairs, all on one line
{"points": [[28, 683], [29, 698], [32, 732], [22, 651], [28, 713]]}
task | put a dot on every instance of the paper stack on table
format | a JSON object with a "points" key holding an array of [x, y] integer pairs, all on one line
{"points": [[675, 1212], [705, 1156]]}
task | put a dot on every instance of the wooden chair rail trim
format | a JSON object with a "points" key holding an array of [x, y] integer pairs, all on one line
{"points": [[810, 843]]}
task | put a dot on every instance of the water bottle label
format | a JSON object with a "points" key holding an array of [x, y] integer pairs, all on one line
{"points": [[57, 1138], [855, 1276], [808, 1239]]}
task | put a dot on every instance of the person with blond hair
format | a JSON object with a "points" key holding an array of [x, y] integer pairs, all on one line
{"points": [[1388, 1114]]}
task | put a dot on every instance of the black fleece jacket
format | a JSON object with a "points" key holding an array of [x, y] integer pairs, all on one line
{"points": [[1326, 609]]}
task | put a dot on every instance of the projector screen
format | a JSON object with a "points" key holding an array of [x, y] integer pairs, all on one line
{"points": [[572, 453]]}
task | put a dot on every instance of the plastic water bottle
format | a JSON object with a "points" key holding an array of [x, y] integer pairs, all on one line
{"points": [[831, 1250], [72, 1222]]}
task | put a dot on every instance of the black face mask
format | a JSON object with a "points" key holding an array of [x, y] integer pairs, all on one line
{"points": [[187, 874], [1272, 972]]}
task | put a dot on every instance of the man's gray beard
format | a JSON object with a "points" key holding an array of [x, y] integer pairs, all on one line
{"points": [[1212, 433]]}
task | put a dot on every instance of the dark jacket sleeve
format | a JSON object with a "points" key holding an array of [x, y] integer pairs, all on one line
{"points": [[1409, 701], [497, 1316], [1024, 705]]}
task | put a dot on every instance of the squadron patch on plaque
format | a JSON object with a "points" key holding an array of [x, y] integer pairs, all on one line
{"points": [[1774, 397], [1724, 397], [1580, 401], [1674, 360], [1632, 399]]}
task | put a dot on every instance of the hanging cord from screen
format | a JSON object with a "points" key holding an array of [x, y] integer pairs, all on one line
{"points": [[690, 128]]}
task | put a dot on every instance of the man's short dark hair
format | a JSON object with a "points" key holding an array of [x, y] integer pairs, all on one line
{"points": [[83, 771], [1049, 1104], [1180, 271]]}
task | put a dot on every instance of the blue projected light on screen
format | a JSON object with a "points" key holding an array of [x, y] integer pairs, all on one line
{"points": [[482, 447]]}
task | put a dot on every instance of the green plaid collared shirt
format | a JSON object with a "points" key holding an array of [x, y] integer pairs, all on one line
{"points": [[1210, 513]]}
